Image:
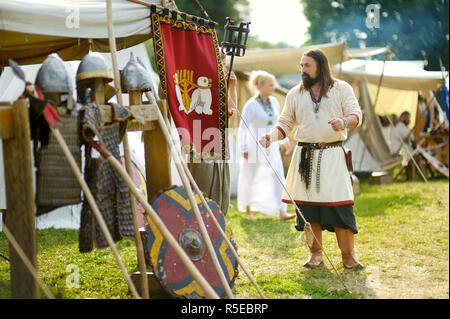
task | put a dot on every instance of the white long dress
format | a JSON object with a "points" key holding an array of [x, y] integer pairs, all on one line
{"points": [[258, 185]]}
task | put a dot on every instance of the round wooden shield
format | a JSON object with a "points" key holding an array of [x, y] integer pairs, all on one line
{"points": [[175, 210]]}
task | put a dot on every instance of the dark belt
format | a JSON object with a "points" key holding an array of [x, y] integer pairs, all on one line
{"points": [[306, 157], [316, 146]]}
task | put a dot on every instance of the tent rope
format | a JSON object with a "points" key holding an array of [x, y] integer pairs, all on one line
{"points": [[4, 257]]}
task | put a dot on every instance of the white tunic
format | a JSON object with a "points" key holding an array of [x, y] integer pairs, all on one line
{"points": [[258, 186], [335, 183]]}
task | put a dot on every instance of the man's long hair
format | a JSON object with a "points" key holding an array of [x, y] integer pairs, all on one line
{"points": [[325, 78]]}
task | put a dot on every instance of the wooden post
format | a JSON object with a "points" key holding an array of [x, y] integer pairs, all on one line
{"points": [[98, 87], [136, 98], [20, 213], [157, 158]]}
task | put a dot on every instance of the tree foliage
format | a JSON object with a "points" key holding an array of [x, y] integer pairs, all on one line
{"points": [[218, 11], [413, 29]]}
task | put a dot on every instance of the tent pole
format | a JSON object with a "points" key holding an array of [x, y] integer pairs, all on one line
{"points": [[342, 59], [126, 148], [203, 9]]}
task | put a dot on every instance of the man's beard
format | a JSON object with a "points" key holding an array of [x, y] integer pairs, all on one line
{"points": [[308, 81]]}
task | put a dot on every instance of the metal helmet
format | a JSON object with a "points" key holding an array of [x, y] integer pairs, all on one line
{"points": [[93, 65], [53, 77], [135, 77]]}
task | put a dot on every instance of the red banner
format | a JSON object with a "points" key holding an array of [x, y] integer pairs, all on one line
{"points": [[192, 78]]}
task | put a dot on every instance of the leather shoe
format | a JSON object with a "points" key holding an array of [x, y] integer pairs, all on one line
{"points": [[310, 265], [313, 261], [357, 266], [352, 258], [287, 217]]}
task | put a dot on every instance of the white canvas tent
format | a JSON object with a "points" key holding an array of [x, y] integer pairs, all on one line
{"points": [[32, 29], [401, 75], [397, 86]]}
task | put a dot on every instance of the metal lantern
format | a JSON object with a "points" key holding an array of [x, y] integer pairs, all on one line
{"points": [[234, 41], [235, 38]]}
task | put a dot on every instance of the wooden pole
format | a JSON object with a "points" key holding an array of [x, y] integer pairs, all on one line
{"points": [[20, 214], [126, 148], [157, 159], [98, 94], [135, 98], [203, 9]]}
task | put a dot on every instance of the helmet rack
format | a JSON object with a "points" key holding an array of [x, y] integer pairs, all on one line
{"points": [[20, 215]]}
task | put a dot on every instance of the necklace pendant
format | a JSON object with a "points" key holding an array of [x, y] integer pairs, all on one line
{"points": [[316, 108]]}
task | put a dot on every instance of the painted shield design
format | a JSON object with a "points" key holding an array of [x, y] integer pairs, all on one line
{"points": [[175, 210]]}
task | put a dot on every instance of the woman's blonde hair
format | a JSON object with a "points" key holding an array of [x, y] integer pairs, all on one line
{"points": [[260, 77]]}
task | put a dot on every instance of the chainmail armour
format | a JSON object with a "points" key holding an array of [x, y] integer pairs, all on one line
{"points": [[56, 184], [107, 186]]}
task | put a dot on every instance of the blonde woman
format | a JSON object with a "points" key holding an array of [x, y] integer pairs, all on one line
{"points": [[259, 189]]}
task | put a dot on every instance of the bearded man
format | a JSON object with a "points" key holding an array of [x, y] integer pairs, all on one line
{"points": [[322, 108]]}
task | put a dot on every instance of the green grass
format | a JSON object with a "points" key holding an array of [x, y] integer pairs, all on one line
{"points": [[403, 241]]}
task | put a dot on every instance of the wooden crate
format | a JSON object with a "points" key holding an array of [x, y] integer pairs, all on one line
{"points": [[381, 178]]}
